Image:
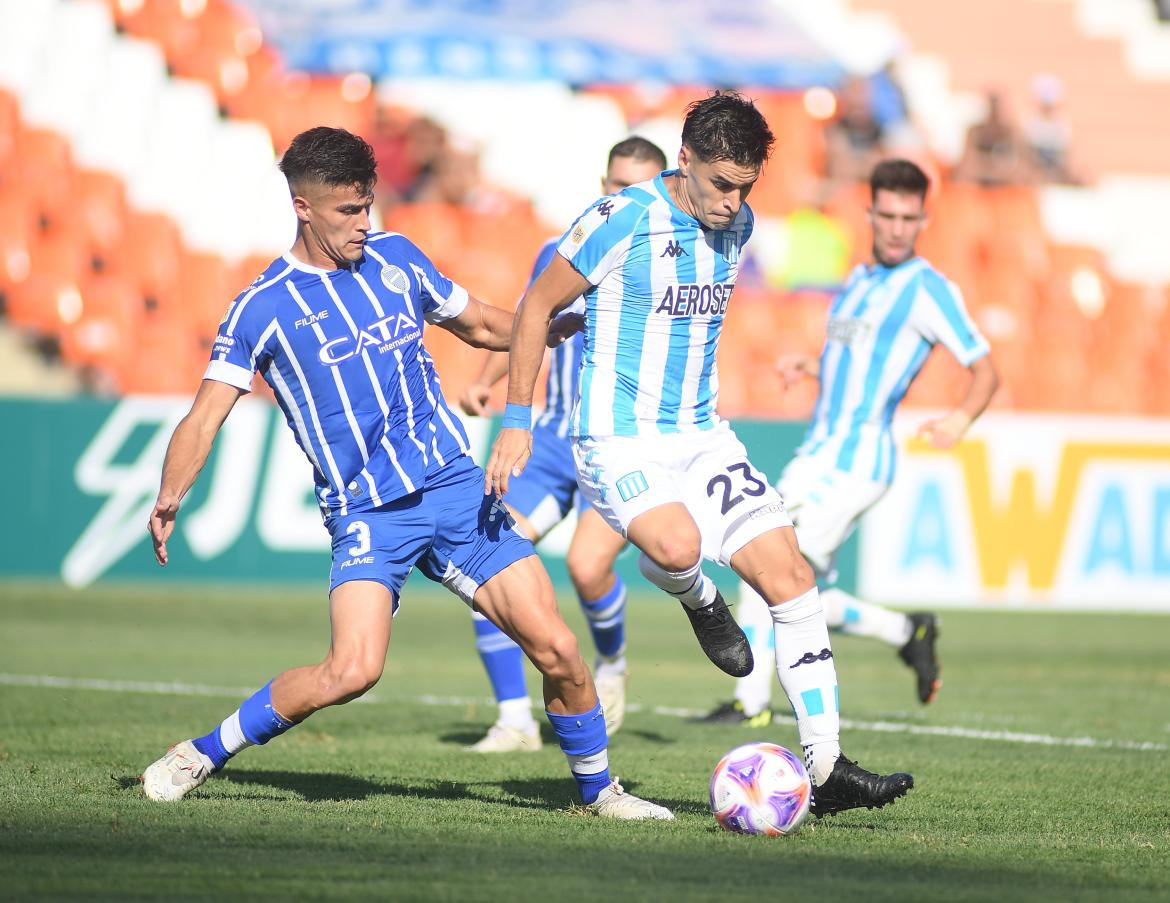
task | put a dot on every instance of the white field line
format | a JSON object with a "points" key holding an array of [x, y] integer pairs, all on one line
{"points": [[883, 727]]}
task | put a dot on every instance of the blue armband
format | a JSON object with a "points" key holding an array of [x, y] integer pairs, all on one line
{"points": [[517, 417]]}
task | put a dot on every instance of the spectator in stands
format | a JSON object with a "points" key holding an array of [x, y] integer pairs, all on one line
{"points": [[1048, 133], [995, 152], [453, 177], [854, 140]]}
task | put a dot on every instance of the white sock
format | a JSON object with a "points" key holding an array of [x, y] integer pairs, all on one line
{"points": [[754, 692], [605, 666], [804, 663], [231, 735], [691, 587], [852, 616], [517, 713]]}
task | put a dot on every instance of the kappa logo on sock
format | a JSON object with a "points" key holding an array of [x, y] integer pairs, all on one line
{"points": [[811, 657]]}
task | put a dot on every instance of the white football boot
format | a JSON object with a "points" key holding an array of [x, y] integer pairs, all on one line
{"points": [[611, 691], [504, 739], [614, 802], [177, 773]]}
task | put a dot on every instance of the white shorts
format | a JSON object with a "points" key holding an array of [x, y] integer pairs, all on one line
{"points": [[708, 472], [824, 503]]}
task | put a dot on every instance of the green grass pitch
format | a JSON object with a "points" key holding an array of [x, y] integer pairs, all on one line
{"points": [[378, 800]]}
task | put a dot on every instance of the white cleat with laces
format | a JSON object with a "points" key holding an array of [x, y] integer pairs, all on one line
{"points": [[504, 739], [177, 773], [614, 802]]}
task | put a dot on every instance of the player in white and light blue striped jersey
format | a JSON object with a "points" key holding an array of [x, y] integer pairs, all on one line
{"points": [[657, 266], [545, 494], [335, 327], [881, 328]]}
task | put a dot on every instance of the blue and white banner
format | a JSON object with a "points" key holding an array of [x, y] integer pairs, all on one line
{"points": [[591, 41], [1030, 511]]}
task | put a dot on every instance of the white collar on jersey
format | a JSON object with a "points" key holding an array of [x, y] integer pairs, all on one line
{"points": [[299, 264]]}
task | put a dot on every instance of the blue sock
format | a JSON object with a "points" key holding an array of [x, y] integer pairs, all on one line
{"points": [[607, 620], [253, 724], [212, 747], [502, 659], [584, 742]]}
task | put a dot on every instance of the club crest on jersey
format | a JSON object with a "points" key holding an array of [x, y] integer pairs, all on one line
{"points": [[395, 279]]}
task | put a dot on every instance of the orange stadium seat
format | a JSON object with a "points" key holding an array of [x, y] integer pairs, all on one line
{"points": [[99, 208], [9, 125], [206, 288], [172, 24], [103, 335], [16, 236], [41, 170], [44, 302], [162, 363], [226, 38], [149, 257]]}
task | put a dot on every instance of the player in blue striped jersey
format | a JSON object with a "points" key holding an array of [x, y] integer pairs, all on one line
{"points": [[657, 265], [335, 327], [882, 326], [543, 496]]}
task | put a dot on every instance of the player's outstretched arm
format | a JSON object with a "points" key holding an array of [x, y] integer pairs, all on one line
{"points": [[792, 367], [945, 432], [482, 326], [554, 290], [475, 397], [186, 454]]}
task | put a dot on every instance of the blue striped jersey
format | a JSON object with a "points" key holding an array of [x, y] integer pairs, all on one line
{"points": [[564, 366], [342, 350], [659, 287], [881, 329]]}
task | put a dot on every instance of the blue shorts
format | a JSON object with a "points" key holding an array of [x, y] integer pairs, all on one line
{"points": [[454, 533], [547, 490]]}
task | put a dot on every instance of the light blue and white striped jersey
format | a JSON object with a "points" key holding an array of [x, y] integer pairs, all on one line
{"points": [[564, 366], [881, 329], [660, 282], [342, 349]]}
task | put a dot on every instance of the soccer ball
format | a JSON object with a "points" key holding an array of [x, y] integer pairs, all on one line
{"points": [[760, 788]]}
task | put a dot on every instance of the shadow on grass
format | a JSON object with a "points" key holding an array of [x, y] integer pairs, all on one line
{"points": [[313, 787], [330, 787]]}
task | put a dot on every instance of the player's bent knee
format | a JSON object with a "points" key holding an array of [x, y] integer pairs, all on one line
{"points": [[346, 680], [676, 551], [788, 582], [560, 658]]}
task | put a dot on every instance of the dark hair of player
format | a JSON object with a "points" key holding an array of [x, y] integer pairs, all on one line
{"points": [[638, 148], [901, 176], [727, 126], [332, 157]]}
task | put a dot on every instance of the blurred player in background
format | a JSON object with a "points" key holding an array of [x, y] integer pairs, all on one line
{"points": [[335, 326], [882, 326], [543, 496], [657, 265]]}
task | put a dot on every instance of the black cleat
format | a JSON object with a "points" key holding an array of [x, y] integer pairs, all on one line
{"points": [[721, 638], [919, 654], [850, 787], [733, 713]]}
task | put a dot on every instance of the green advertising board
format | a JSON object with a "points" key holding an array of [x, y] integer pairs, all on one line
{"points": [[84, 474]]}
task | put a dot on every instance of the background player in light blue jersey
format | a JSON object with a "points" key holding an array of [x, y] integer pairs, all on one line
{"points": [[882, 326], [543, 496], [657, 265], [335, 327]]}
